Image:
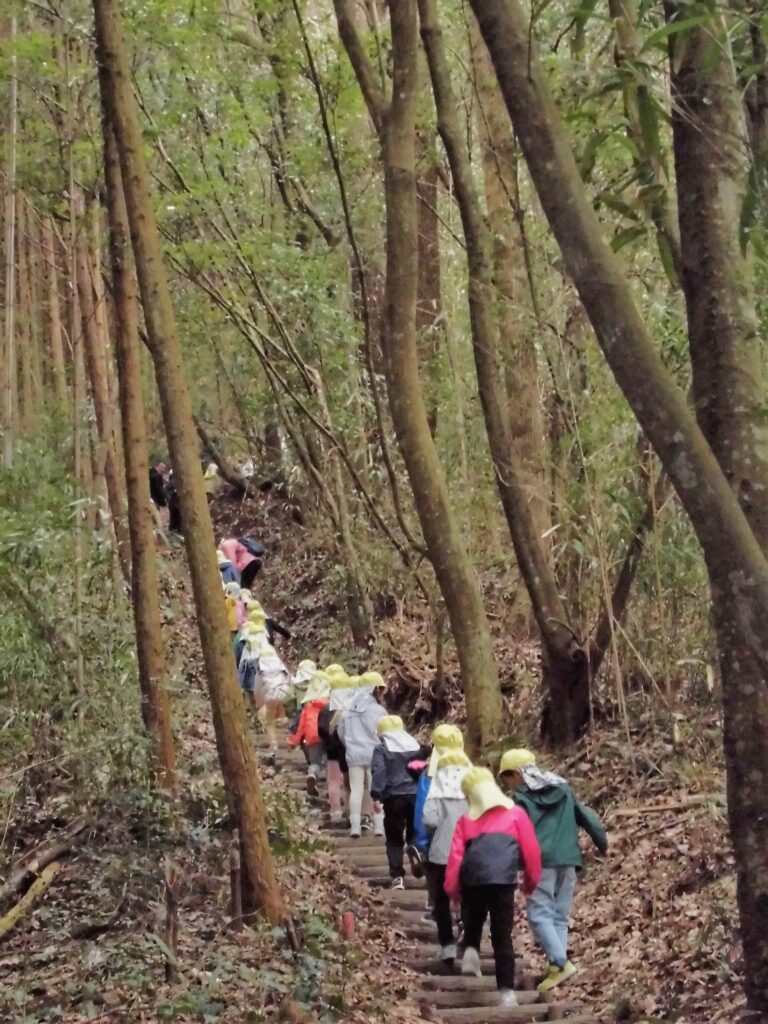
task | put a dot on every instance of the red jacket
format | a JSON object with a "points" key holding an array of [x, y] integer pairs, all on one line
{"points": [[497, 827], [307, 730], [237, 553]]}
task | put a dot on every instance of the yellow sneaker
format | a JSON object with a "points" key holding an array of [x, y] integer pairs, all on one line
{"points": [[556, 976]]}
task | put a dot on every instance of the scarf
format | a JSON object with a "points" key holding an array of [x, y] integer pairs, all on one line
{"points": [[536, 778], [398, 741]]}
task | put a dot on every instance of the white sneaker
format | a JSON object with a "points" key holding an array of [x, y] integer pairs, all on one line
{"points": [[397, 883], [448, 952], [378, 824], [507, 997], [470, 962]]}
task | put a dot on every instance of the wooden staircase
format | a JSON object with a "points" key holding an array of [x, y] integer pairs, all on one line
{"points": [[451, 998]]}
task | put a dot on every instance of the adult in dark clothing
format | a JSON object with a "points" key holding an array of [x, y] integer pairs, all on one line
{"points": [[336, 756], [394, 787], [174, 505], [157, 484]]}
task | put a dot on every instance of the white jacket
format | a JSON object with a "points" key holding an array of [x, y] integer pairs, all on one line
{"points": [[357, 729]]}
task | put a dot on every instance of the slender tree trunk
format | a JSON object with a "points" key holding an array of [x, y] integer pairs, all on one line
{"points": [[9, 363], [55, 343], [737, 568], [429, 306], [512, 298], [564, 662], [396, 124], [97, 372], [233, 742], [145, 594], [24, 317]]}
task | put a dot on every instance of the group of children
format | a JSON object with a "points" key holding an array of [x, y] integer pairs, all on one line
{"points": [[474, 839]]}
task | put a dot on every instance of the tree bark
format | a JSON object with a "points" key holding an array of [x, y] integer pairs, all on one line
{"points": [[728, 356], [24, 318], [97, 373], [737, 568], [145, 593], [235, 750], [55, 342], [396, 124], [9, 356], [429, 312]]}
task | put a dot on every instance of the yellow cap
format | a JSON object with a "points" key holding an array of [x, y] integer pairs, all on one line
{"points": [[339, 682], [454, 759], [318, 689], [257, 615], [482, 793], [335, 670], [307, 665], [514, 760], [374, 679], [444, 738], [388, 724]]}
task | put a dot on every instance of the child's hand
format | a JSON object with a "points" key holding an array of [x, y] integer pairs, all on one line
{"points": [[376, 807]]}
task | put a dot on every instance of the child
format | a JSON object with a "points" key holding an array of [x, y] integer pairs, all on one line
{"points": [[248, 668], [393, 786], [445, 739], [360, 712], [489, 844], [313, 702], [336, 762], [227, 570], [275, 683], [556, 816], [231, 600], [444, 805]]}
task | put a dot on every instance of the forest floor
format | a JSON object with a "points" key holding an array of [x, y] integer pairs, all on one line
{"points": [[654, 924]]}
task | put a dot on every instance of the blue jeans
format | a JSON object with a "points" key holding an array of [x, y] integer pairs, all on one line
{"points": [[548, 910]]}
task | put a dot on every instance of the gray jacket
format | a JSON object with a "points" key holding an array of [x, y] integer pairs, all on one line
{"points": [[440, 817], [357, 729]]}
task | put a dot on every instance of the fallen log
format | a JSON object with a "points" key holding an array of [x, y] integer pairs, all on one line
{"points": [[36, 890], [694, 800], [25, 872]]}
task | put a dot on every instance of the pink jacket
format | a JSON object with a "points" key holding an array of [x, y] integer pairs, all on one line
{"points": [[237, 553], [241, 614], [513, 822]]}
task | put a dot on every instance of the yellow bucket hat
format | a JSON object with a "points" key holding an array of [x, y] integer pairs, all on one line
{"points": [[454, 759], [482, 793], [514, 760], [318, 689], [374, 679], [388, 724], [444, 738]]}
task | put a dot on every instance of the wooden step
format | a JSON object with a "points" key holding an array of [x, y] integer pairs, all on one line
{"points": [[487, 996], [493, 1014]]}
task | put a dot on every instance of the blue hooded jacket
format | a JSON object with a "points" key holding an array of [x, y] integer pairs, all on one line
{"points": [[420, 835]]}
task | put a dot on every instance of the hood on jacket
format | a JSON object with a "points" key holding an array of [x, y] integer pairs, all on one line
{"points": [[446, 783], [359, 699]]}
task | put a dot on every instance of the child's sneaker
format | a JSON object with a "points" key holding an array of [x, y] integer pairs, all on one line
{"points": [[448, 954], [312, 789], [397, 883], [507, 998], [470, 962], [556, 976], [367, 824], [416, 859]]}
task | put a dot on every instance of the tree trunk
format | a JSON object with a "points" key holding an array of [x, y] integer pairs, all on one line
{"points": [[563, 656], [429, 309], [145, 594], [512, 292], [9, 363], [55, 343], [233, 742], [728, 355], [97, 373], [737, 568], [24, 317], [396, 124]]}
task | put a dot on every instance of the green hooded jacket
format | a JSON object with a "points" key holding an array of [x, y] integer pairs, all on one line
{"points": [[556, 816]]}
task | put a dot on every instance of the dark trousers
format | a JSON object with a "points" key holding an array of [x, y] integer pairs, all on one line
{"points": [[441, 904], [398, 830], [477, 902], [249, 573]]}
